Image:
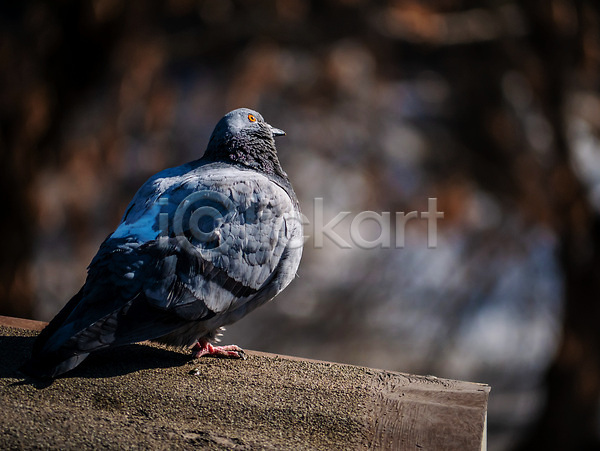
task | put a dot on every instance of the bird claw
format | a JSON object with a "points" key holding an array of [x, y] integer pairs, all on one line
{"points": [[229, 351]]}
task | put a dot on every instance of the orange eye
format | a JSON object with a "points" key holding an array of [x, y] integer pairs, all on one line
{"points": [[251, 118]]}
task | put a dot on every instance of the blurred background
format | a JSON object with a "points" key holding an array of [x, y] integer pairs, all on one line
{"points": [[491, 107]]}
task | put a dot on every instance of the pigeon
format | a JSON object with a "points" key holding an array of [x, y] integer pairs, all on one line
{"points": [[200, 246]]}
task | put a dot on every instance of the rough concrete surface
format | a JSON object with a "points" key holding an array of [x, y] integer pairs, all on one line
{"points": [[152, 397]]}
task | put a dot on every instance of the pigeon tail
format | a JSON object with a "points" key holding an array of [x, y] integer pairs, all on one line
{"points": [[54, 325], [52, 365]]}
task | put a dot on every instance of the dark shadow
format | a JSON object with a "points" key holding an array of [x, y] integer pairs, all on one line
{"points": [[15, 351], [105, 363], [128, 359]]}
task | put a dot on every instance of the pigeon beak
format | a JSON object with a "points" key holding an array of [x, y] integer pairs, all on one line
{"points": [[276, 131]]}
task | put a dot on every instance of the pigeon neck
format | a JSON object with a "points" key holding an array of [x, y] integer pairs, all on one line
{"points": [[254, 152]]}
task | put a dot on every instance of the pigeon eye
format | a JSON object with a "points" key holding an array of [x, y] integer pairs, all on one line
{"points": [[251, 118]]}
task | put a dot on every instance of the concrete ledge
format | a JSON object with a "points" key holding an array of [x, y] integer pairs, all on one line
{"points": [[149, 396]]}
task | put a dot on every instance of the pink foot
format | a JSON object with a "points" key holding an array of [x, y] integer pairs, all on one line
{"points": [[230, 351]]}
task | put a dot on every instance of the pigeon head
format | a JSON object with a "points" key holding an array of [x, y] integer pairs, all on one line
{"points": [[244, 122], [242, 136]]}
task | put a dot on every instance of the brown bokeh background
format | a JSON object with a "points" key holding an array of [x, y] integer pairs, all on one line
{"points": [[491, 107]]}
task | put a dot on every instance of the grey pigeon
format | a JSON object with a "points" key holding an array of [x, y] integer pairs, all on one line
{"points": [[200, 246]]}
